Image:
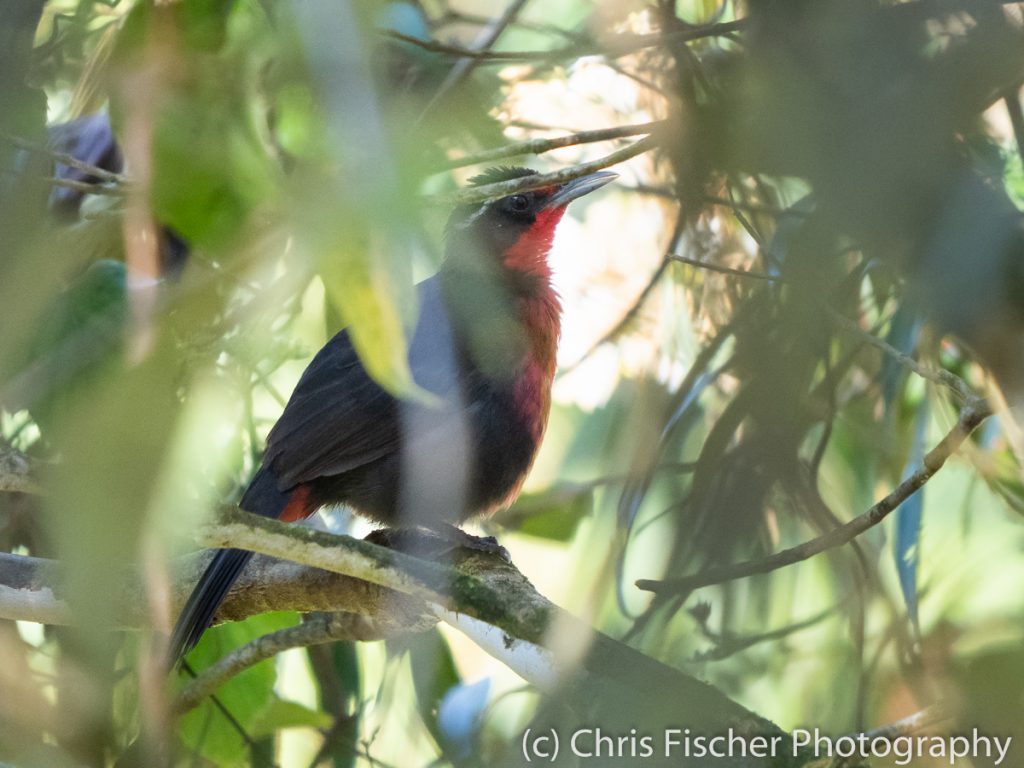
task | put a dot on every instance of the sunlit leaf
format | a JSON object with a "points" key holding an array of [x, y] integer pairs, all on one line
{"points": [[279, 713], [246, 696]]}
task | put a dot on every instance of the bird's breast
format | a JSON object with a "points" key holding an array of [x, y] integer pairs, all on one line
{"points": [[511, 416]]}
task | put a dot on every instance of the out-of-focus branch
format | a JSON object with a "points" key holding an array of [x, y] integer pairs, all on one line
{"points": [[464, 67], [469, 195], [62, 158], [973, 413], [1016, 113], [29, 590], [16, 471], [540, 146], [615, 331], [89, 188], [619, 45], [723, 270]]}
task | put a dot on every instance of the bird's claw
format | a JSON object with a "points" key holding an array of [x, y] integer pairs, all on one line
{"points": [[436, 542]]}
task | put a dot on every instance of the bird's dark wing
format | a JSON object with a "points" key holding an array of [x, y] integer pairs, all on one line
{"points": [[339, 418]]}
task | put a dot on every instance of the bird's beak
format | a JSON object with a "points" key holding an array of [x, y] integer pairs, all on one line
{"points": [[579, 187]]}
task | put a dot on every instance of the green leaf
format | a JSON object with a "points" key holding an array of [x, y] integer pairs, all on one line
{"points": [[551, 514], [298, 123], [278, 714], [247, 696], [1014, 179], [433, 674], [363, 294], [210, 167]]}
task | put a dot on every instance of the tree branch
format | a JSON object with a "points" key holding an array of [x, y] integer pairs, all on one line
{"points": [[32, 589], [619, 45], [974, 412], [63, 158], [316, 629], [16, 471], [940, 376], [464, 67], [492, 591], [469, 195], [540, 146], [516, 622], [724, 270]]}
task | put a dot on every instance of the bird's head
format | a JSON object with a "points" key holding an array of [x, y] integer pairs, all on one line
{"points": [[515, 232]]}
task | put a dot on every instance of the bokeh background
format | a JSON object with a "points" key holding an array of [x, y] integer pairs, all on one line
{"points": [[821, 175]]}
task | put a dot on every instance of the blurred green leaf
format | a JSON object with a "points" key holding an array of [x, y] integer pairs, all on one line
{"points": [[551, 514], [364, 294], [990, 694], [433, 674], [278, 714], [247, 696], [1014, 178], [210, 167]]}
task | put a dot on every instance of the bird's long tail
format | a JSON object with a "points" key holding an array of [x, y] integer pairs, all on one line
{"points": [[262, 498]]}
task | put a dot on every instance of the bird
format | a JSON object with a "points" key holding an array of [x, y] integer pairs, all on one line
{"points": [[483, 356]]}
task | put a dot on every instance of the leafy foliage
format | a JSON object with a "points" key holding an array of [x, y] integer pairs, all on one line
{"points": [[828, 175]]}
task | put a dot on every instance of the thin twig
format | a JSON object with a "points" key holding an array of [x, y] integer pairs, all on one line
{"points": [[938, 376], [465, 66], [461, 51], [973, 413], [726, 646], [724, 270], [540, 146], [926, 718], [316, 630], [460, 17], [624, 321], [622, 45], [469, 195], [88, 188], [767, 210], [62, 158]]}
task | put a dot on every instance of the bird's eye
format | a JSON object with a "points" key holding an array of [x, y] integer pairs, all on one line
{"points": [[518, 203]]}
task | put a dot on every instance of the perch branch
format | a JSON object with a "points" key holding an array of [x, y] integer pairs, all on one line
{"points": [[493, 592], [483, 588]]}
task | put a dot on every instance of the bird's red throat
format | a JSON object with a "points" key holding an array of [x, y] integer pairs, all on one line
{"points": [[541, 317], [529, 254]]}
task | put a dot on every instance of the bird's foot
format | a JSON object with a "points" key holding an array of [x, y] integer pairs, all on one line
{"points": [[486, 544], [436, 542]]}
